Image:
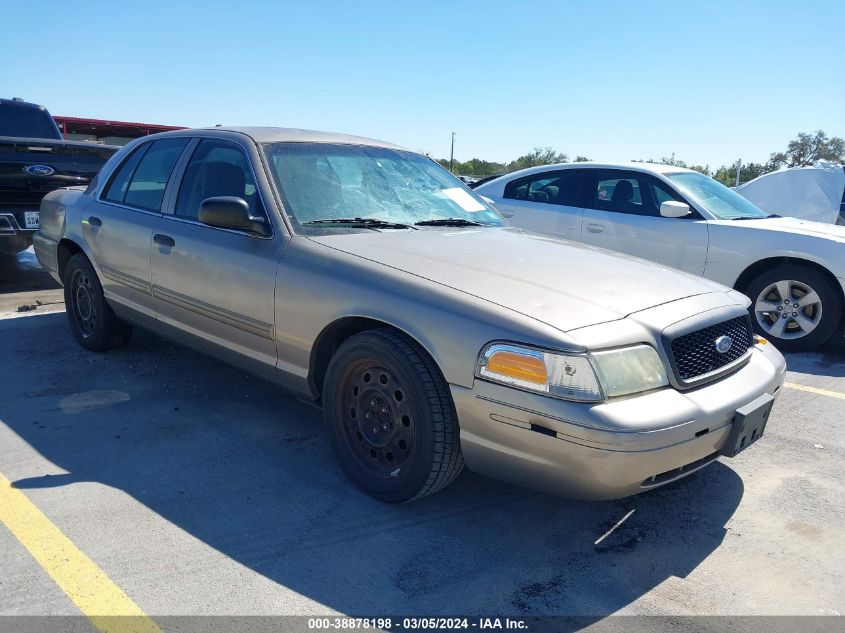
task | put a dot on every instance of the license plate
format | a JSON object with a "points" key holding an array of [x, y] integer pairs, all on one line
{"points": [[749, 425], [30, 219]]}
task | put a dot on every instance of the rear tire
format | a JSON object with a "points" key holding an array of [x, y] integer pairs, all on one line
{"points": [[92, 321], [796, 307], [390, 417]]}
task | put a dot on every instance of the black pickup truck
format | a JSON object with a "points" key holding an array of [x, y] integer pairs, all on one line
{"points": [[34, 160]]}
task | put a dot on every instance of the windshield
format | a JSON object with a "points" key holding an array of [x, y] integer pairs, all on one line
{"points": [[322, 182], [715, 197]]}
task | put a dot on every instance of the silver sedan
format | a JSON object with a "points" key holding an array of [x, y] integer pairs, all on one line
{"points": [[365, 277]]}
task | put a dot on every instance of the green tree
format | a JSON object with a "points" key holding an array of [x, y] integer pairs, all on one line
{"points": [[582, 159], [806, 149], [677, 162], [750, 171], [726, 174], [538, 156], [479, 167], [663, 160]]}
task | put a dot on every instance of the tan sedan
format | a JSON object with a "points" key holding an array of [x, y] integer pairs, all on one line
{"points": [[366, 277]]}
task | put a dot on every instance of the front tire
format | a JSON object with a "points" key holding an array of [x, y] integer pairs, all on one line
{"points": [[92, 321], [390, 417], [794, 306]]}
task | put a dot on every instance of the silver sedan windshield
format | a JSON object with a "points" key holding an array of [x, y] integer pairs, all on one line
{"points": [[715, 197], [322, 183]]}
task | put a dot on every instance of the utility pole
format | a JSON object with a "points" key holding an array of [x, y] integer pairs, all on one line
{"points": [[452, 153], [738, 167]]}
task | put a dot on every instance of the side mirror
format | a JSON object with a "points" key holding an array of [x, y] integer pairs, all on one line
{"points": [[672, 209], [230, 212]]}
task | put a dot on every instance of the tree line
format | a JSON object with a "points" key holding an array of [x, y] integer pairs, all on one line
{"points": [[804, 150]]}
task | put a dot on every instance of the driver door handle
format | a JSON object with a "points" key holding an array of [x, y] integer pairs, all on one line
{"points": [[164, 240], [595, 228]]}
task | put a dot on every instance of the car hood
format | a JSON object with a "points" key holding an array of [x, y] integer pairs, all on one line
{"points": [[563, 284], [793, 226]]}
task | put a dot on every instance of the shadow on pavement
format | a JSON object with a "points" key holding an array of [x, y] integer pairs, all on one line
{"points": [[247, 470], [827, 361], [22, 272]]}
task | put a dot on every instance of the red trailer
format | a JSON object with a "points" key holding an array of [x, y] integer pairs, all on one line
{"points": [[108, 132]]}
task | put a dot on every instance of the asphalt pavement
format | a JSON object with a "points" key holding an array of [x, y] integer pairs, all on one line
{"points": [[199, 489]]}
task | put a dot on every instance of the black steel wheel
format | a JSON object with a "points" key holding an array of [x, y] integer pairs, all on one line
{"points": [[82, 303], [391, 419], [379, 425], [92, 320]]}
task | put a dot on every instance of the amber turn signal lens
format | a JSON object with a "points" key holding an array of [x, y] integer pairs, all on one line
{"points": [[759, 340], [522, 367]]}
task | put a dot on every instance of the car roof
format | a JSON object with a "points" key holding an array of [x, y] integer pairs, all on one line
{"points": [[289, 135], [653, 168], [21, 104]]}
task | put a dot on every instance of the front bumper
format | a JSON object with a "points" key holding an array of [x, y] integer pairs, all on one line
{"points": [[612, 449]]}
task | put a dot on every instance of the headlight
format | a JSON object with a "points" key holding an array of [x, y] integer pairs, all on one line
{"points": [[629, 370], [581, 377], [561, 375]]}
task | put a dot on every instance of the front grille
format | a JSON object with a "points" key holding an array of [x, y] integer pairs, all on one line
{"points": [[695, 354]]}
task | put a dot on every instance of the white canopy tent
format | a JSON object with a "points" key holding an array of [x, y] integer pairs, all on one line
{"points": [[811, 193]]}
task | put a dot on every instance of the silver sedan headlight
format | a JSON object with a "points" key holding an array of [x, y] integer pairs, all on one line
{"points": [[580, 377], [629, 370]]}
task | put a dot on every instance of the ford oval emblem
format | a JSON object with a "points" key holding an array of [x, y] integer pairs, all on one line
{"points": [[723, 344], [40, 170]]}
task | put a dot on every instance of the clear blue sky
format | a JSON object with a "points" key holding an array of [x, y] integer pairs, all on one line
{"points": [[708, 80]]}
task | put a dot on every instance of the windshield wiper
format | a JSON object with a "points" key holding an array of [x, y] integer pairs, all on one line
{"points": [[448, 222], [366, 223], [757, 217]]}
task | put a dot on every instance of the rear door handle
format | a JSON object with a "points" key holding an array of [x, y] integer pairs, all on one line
{"points": [[93, 220], [595, 228], [164, 240], [507, 214]]}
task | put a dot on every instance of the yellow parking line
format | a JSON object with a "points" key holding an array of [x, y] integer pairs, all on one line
{"points": [[815, 390], [105, 604]]}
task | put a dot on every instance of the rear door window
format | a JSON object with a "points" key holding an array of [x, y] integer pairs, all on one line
{"points": [[562, 187], [116, 190], [146, 189], [142, 178]]}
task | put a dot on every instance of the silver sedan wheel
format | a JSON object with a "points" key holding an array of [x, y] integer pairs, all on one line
{"points": [[788, 309]]}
